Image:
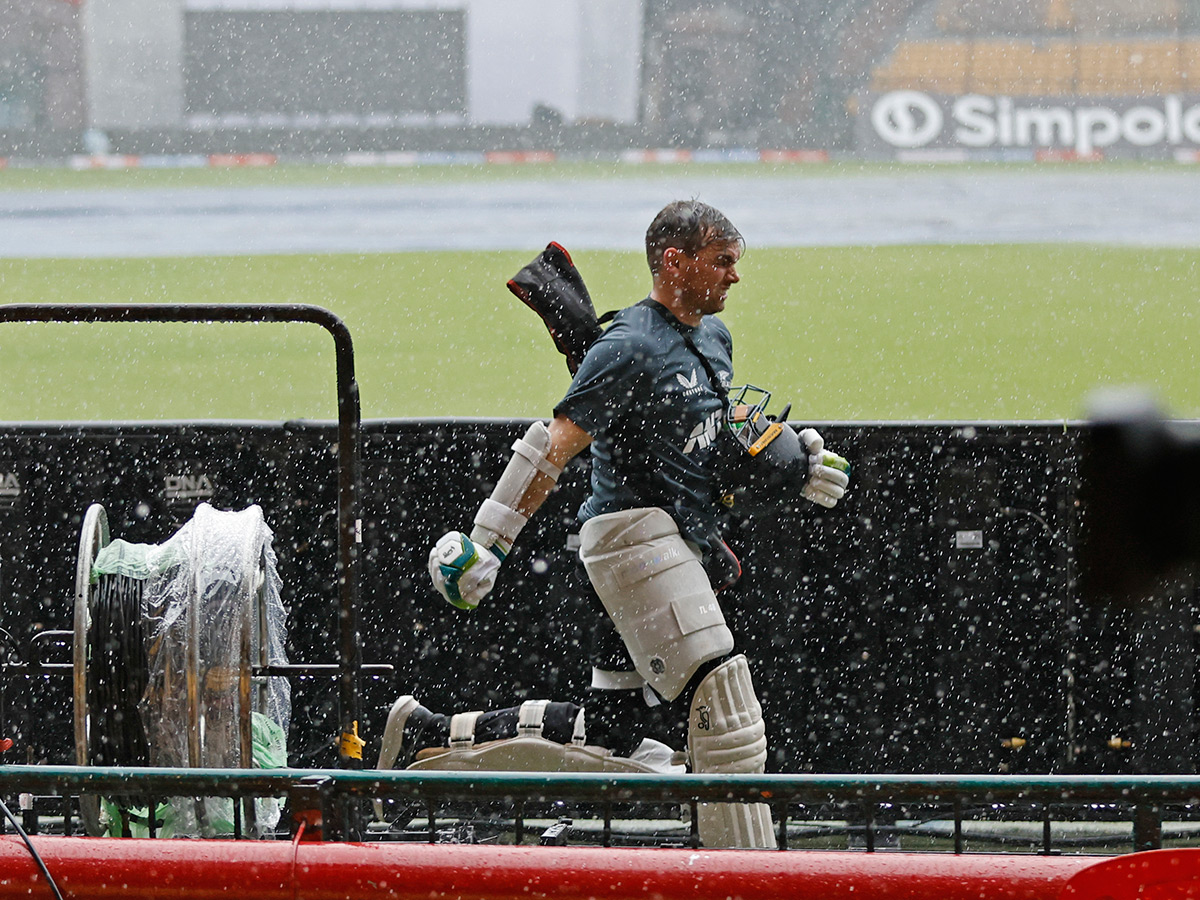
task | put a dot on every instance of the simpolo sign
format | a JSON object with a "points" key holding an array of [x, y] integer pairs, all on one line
{"points": [[913, 120]]}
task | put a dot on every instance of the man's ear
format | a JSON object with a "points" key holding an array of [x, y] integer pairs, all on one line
{"points": [[671, 257]]}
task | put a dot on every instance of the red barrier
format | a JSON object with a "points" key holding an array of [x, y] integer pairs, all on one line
{"points": [[86, 868], [1154, 875]]}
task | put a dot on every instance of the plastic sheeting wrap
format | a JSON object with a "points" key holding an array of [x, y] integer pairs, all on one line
{"points": [[212, 609]]}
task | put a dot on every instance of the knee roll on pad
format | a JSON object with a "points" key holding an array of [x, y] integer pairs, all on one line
{"points": [[498, 517], [727, 736], [654, 588]]}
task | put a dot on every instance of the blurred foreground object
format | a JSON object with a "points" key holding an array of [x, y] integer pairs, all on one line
{"points": [[1141, 494]]}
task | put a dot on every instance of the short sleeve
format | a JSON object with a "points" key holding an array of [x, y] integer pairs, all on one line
{"points": [[610, 378]]}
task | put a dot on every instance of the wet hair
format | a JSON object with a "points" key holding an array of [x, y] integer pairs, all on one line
{"points": [[690, 226]]}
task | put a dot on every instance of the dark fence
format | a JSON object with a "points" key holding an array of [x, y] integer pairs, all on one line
{"points": [[947, 813], [929, 624]]}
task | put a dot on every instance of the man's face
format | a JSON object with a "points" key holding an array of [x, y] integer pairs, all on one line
{"points": [[704, 280]]}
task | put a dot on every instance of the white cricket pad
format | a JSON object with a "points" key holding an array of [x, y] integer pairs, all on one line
{"points": [[726, 736], [657, 593], [527, 752]]}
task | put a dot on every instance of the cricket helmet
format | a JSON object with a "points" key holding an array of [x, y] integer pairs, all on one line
{"points": [[763, 464]]}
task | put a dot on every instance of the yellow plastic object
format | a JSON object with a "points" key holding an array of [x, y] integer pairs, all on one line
{"points": [[352, 745]]}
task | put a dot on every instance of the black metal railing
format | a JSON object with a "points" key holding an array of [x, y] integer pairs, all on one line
{"points": [[349, 462], [863, 808]]}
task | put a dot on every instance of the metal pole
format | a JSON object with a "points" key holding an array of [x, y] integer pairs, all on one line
{"points": [[349, 460]]}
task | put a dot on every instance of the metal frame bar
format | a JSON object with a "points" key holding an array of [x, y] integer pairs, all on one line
{"points": [[338, 788], [348, 450]]}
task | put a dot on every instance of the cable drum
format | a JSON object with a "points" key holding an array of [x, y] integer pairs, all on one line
{"points": [[168, 638], [117, 673], [93, 537], [110, 665], [109, 657]]}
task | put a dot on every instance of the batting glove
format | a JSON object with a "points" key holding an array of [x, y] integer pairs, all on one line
{"points": [[828, 473], [462, 571]]}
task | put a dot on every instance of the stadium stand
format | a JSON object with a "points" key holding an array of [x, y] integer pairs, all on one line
{"points": [[1038, 48]]}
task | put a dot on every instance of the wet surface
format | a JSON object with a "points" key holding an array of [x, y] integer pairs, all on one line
{"points": [[1130, 207]]}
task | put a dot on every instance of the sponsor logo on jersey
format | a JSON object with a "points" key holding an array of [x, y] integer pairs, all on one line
{"points": [[704, 433], [691, 384]]}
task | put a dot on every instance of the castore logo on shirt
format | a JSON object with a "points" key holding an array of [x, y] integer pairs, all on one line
{"points": [[691, 385]]}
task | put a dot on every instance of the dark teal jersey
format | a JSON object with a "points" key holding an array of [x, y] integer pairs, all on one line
{"points": [[654, 415]]}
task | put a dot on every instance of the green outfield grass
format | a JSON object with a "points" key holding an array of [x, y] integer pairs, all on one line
{"points": [[51, 178], [929, 332]]}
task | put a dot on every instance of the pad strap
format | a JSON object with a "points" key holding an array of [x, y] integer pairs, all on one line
{"points": [[499, 518], [579, 736], [537, 459], [531, 717], [462, 729], [607, 680]]}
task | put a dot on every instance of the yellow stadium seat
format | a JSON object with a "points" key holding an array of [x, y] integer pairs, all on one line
{"points": [[1045, 67]]}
